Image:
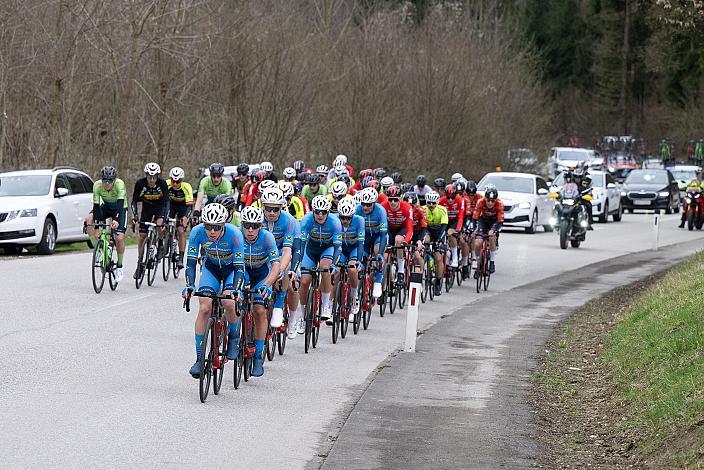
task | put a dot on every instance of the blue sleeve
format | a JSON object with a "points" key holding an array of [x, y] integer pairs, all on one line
{"points": [[382, 229], [193, 250], [270, 244], [360, 237], [238, 258], [289, 233], [336, 240]]}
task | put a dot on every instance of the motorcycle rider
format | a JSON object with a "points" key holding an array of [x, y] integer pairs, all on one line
{"points": [[584, 183], [694, 187]]}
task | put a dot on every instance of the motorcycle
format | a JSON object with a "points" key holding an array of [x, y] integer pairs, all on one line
{"points": [[571, 219], [694, 209]]}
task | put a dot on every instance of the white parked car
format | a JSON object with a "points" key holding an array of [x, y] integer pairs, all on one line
{"points": [[562, 158], [606, 195], [42, 207], [525, 199]]}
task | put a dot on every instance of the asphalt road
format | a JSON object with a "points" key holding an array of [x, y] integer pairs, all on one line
{"points": [[101, 380]]}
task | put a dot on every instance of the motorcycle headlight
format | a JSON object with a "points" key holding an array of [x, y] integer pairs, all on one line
{"points": [[663, 193], [524, 205], [553, 221], [28, 213]]}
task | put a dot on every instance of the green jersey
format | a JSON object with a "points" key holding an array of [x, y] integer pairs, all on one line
{"points": [[111, 197], [309, 194], [699, 151], [211, 191]]}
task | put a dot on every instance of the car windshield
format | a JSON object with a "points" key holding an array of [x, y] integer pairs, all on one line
{"points": [[685, 175], [24, 185], [572, 156], [647, 177], [516, 184]]}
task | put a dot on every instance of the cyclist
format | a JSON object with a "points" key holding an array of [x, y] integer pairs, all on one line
{"points": [[695, 187], [338, 191], [399, 217], [313, 187], [261, 271], [111, 190], [210, 186], [289, 175], [436, 217], [456, 177], [420, 226], [439, 186], [230, 203], [241, 183], [454, 203], [294, 205], [342, 160], [222, 272], [299, 166], [321, 243], [421, 188], [287, 234], [488, 217], [181, 197], [268, 170], [375, 232], [470, 203], [322, 171], [153, 192], [665, 151], [386, 182], [352, 243], [699, 151]]}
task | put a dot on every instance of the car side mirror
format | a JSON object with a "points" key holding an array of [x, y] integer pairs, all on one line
{"points": [[61, 192], [543, 192], [610, 186]]}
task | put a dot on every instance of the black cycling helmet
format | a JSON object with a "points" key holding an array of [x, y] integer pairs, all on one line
{"points": [[411, 198], [406, 187], [108, 173], [216, 169], [379, 173], [460, 186], [471, 187], [345, 179], [421, 181], [366, 181], [242, 169], [226, 200], [439, 182], [397, 177], [491, 194], [313, 178], [298, 165]]}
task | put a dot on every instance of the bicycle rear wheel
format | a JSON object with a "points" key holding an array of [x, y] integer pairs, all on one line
{"points": [[239, 362], [357, 322], [392, 287], [153, 261], [317, 302], [309, 320], [281, 335], [367, 303], [206, 363], [166, 262], [98, 268], [345, 308], [480, 271], [111, 268], [336, 307], [458, 276], [487, 276], [142, 263]]}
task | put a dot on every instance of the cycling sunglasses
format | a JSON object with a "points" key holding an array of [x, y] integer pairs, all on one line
{"points": [[152, 178], [368, 204], [394, 199], [320, 212], [250, 225], [432, 203], [271, 209], [108, 181], [213, 227], [345, 218]]}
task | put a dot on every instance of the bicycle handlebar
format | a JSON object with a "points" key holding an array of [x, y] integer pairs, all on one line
{"points": [[210, 295]]}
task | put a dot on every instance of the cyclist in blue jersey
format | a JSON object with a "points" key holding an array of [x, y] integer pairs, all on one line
{"points": [[261, 265], [285, 229], [321, 243], [223, 271], [375, 236], [352, 243]]}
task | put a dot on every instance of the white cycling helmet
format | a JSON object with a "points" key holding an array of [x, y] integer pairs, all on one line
{"points": [[215, 214], [252, 215], [347, 207], [340, 160], [320, 203], [286, 188], [387, 182], [338, 189], [456, 177], [267, 166], [267, 184], [152, 169], [432, 197], [370, 196], [322, 169], [273, 197], [289, 172], [341, 170], [177, 173]]}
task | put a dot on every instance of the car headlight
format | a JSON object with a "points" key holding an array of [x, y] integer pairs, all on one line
{"points": [[623, 193], [664, 193], [28, 213], [524, 205], [12, 215]]}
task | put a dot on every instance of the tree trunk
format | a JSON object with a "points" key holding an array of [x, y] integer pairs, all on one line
{"points": [[625, 89]]}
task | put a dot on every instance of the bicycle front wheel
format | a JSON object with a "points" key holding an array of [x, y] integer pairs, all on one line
{"points": [[219, 348], [98, 266], [206, 363], [336, 312], [166, 263], [309, 320], [153, 262], [112, 266]]}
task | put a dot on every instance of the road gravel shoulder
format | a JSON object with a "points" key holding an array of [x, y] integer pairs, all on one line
{"points": [[463, 399]]}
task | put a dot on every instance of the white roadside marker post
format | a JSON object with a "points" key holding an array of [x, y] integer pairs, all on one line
{"points": [[412, 313], [656, 229]]}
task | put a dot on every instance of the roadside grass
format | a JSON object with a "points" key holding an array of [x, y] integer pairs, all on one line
{"points": [[130, 240], [656, 356], [621, 381]]}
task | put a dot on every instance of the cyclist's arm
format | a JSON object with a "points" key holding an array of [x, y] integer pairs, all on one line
{"points": [[135, 199], [187, 193], [165, 195], [442, 232], [201, 195], [383, 229], [409, 225], [460, 217], [360, 238], [192, 260], [275, 267]]}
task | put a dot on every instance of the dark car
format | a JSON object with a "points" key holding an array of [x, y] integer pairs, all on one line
{"points": [[650, 189]]}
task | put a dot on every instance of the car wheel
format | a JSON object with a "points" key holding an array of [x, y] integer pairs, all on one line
{"points": [[677, 208], [603, 218], [48, 243], [533, 223], [618, 213], [668, 209], [630, 211]]}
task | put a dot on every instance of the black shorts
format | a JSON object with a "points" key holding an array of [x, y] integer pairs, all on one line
{"points": [[392, 234], [119, 214], [434, 234], [178, 211], [483, 227], [150, 214], [417, 237]]}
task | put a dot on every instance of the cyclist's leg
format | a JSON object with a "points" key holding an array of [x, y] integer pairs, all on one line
{"points": [[93, 233], [261, 323], [310, 261], [399, 240], [120, 235], [452, 242], [326, 278], [209, 282]]}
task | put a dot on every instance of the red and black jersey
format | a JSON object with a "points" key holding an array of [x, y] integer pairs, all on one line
{"points": [[484, 213], [455, 210], [403, 217], [419, 219], [470, 203]]}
